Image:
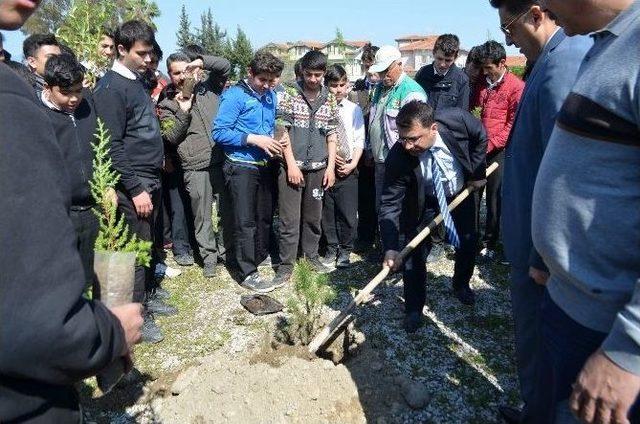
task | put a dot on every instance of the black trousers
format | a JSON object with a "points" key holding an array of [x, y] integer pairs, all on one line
{"points": [[251, 191], [85, 223], [415, 271], [340, 213], [367, 217], [144, 228], [300, 211], [176, 214], [494, 201]]}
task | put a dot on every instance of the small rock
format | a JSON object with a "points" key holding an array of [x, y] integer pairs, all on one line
{"points": [[376, 366], [416, 395]]}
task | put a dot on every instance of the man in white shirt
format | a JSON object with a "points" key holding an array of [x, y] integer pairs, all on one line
{"points": [[450, 145], [340, 208]]}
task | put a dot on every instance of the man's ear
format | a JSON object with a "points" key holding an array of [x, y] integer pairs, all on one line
{"points": [[537, 14], [434, 127], [32, 63], [121, 51]]}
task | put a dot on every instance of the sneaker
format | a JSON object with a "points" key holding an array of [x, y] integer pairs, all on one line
{"points": [[150, 331], [488, 253], [256, 284], [282, 277], [156, 306], [318, 266], [161, 293], [209, 270], [343, 260], [159, 270], [329, 260], [266, 263], [184, 260], [172, 272]]}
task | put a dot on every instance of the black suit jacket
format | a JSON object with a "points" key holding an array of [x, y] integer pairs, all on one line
{"points": [[403, 208]]}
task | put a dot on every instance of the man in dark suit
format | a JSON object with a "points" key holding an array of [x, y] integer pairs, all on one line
{"points": [[452, 147]]}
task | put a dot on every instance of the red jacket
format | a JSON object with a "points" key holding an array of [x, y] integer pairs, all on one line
{"points": [[499, 105]]}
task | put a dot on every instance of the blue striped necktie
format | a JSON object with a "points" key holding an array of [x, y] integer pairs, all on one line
{"points": [[449, 226]]}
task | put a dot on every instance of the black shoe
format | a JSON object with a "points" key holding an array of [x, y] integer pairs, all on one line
{"points": [[343, 260], [158, 307], [209, 270], [509, 414], [160, 293], [437, 253], [412, 322], [465, 295], [329, 259], [282, 277], [318, 266], [184, 260], [150, 331], [256, 284]]}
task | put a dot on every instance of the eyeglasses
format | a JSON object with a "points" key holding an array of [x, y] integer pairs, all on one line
{"points": [[505, 28]]}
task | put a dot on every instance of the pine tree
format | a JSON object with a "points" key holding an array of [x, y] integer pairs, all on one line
{"points": [[210, 36], [184, 34], [242, 54], [340, 40]]}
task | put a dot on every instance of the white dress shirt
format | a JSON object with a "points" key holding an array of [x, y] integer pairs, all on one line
{"points": [[353, 121], [450, 169]]}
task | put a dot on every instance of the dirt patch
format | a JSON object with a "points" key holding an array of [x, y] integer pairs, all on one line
{"points": [[283, 385]]}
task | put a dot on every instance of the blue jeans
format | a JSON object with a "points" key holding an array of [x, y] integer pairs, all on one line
{"points": [[564, 349]]}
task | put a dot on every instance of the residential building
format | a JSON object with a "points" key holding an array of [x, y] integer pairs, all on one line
{"points": [[417, 51]]}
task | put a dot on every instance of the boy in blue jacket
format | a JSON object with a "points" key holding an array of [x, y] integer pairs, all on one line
{"points": [[245, 128]]}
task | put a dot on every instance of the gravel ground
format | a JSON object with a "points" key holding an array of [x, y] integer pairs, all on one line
{"points": [[463, 355]]}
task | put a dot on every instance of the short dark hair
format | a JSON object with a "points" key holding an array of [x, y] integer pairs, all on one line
{"points": [[514, 6], [492, 51], [369, 53], [108, 32], [474, 56], [413, 111], [448, 44], [63, 71], [32, 43], [264, 62], [176, 57], [297, 68], [131, 31], [157, 50], [194, 51], [335, 73], [64, 49], [314, 60]]}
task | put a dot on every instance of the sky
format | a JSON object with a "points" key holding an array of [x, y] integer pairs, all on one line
{"points": [[474, 21]]}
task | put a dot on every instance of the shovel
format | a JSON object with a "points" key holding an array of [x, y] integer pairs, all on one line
{"points": [[339, 321]]}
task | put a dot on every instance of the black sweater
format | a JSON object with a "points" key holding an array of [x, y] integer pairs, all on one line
{"points": [[75, 133], [50, 336], [136, 143], [451, 90]]}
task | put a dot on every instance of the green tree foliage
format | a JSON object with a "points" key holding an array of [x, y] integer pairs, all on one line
{"points": [[53, 13], [114, 235], [517, 71], [239, 54], [340, 40], [210, 36], [184, 34], [311, 293]]}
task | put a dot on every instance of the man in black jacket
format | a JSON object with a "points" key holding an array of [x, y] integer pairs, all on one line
{"points": [[51, 337], [454, 143], [136, 147], [446, 85]]}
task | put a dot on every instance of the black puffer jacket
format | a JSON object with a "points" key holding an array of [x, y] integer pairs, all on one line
{"points": [[75, 134]]}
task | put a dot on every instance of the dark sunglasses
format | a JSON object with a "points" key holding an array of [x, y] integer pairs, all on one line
{"points": [[505, 28]]}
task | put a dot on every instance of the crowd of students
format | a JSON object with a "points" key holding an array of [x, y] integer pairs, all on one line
{"points": [[319, 167]]}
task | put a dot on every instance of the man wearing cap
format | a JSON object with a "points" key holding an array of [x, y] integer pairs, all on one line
{"points": [[394, 90]]}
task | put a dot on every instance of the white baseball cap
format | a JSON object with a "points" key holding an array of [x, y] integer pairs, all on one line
{"points": [[385, 56]]}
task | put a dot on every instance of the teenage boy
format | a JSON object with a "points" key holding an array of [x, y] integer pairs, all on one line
{"points": [[72, 113], [446, 85], [37, 48], [52, 336], [245, 128], [311, 114], [340, 209], [136, 146], [499, 99]]}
